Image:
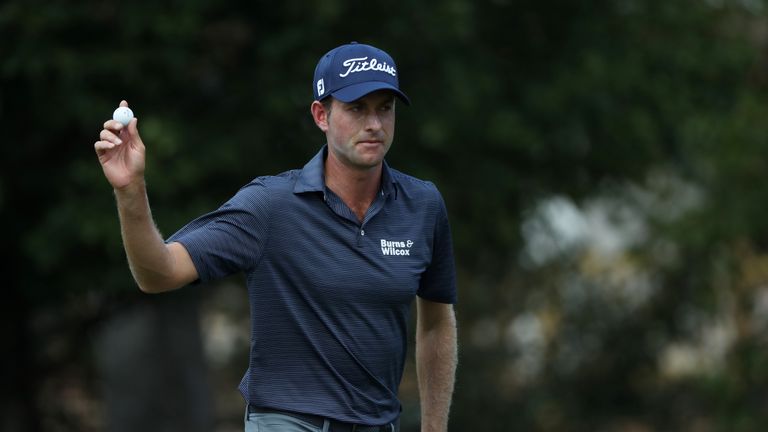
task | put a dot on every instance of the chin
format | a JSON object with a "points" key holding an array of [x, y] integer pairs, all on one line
{"points": [[369, 163], [375, 156]]}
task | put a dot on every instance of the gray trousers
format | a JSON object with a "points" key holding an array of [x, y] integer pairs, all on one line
{"points": [[274, 422]]}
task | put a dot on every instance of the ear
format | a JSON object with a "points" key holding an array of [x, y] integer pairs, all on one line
{"points": [[320, 115]]}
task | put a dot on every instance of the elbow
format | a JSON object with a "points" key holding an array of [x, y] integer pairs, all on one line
{"points": [[167, 273], [148, 289], [156, 286]]}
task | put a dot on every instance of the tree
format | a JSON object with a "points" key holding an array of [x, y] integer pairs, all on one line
{"points": [[620, 113]]}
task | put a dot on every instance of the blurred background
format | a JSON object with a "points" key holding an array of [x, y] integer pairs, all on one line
{"points": [[603, 163]]}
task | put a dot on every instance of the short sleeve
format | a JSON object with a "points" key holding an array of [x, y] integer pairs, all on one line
{"points": [[438, 282], [230, 239]]}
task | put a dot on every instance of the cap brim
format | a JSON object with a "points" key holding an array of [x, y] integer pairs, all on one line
{"points": [[356, 91]]}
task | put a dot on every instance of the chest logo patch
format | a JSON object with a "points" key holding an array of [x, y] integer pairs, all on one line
{"points": [[393, 247]]}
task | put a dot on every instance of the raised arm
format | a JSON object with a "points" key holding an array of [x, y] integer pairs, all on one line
{"points": [[436, 358], [155, 266]]}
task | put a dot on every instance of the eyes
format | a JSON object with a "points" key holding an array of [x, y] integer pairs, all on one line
{"points": [[360, 108]]}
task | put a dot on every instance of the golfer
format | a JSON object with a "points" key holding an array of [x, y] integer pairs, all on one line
{"points": [[334, 254]]}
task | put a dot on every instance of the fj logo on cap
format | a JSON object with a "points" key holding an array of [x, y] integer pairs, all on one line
{"points": [[362, 64], [320, 87]]}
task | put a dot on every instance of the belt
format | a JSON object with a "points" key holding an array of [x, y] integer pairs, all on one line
{"points": [[319, 421]]}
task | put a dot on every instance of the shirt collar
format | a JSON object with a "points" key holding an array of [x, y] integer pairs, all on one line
{"points": [[312, 179]]}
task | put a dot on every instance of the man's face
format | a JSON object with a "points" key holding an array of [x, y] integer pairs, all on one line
{"points": [[360, 132]]}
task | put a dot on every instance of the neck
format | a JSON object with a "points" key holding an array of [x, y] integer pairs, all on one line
{"points": [[356, 187]]}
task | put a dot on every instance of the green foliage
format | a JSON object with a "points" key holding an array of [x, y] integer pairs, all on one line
{"points": [[513, 103]]}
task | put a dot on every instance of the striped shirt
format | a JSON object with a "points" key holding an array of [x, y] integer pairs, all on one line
{"points": [[330, 296]]}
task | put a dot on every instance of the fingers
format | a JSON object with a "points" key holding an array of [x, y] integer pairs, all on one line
{"points": [[109, 136], [107, 140], [113, 125], [102, 146], [123, 103]]}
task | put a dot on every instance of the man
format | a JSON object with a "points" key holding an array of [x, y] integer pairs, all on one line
{"points": [[334, 254]]}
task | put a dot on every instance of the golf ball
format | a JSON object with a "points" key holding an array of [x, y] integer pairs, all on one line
{"points": [[123, 115]]}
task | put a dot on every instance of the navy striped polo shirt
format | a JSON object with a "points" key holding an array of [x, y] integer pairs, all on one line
{"points": [[330, 296]]}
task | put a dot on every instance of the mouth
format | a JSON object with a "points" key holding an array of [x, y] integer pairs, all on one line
{"points": [[370, 143]]}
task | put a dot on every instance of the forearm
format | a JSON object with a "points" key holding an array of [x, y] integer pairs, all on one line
{"points": [[148, 257], [436, 359]]}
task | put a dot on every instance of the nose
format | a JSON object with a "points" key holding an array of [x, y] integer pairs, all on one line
{"points": [[372, 121]]}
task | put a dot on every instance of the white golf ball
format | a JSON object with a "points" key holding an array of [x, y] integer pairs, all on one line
{"points": [[123, 115]]}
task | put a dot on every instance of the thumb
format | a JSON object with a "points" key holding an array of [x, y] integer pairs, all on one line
{"points": [[123, 103], [133, 127]]}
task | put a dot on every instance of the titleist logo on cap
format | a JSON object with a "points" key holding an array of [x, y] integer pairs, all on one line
{"points": [[351, 71], [362, 64]]}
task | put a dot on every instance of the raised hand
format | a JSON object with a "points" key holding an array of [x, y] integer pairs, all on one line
{"points": [[121, 152]]}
